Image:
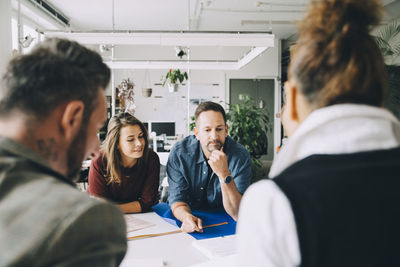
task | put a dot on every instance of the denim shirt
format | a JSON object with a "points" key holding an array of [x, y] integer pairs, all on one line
{"points": [[187, 172]]}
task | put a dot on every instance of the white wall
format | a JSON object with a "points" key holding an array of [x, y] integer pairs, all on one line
{"points": [[210, 85], [266, 66], [5, 34]]}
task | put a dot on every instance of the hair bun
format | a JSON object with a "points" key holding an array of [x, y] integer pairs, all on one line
{"points": [[339, 16]]}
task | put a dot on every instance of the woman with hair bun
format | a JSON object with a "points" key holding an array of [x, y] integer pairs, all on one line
{"points": [[127, 172], [333, 198]]}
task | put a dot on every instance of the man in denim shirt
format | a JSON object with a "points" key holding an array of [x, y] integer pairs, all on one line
{"points": [[207, 170]]}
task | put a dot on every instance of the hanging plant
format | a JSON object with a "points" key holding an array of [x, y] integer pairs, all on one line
{"points": [[174, 78], [125, 95], [146, 87]]}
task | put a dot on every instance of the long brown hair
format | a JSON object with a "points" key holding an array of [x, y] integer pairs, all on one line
{"points": [[110, 145], [336, 60]]}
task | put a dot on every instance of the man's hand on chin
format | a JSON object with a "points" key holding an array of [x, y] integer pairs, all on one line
{"points": [[219, 163]]}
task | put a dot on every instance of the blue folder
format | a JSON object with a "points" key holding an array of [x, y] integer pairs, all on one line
{"points": [[207, 216]]}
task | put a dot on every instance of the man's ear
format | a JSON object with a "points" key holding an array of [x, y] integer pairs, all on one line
{"points": [[226, 129], [196, 132], [71, 119], [292, 98]]}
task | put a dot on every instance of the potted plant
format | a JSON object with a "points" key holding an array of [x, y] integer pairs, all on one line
{"points": [[126, 95], [387, 38], [192, 123], [249, 126], [146, 92], [174, 78], [146, 87]]}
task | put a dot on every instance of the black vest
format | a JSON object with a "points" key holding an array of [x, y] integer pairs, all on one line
{"points": [[346, 208]]}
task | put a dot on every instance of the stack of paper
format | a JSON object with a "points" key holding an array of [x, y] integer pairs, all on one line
{"points": [[134, 224], [217, 247], [228, 261], [143, 263]]}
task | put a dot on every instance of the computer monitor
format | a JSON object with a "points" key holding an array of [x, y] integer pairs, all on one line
{"points": [[167, 128]]}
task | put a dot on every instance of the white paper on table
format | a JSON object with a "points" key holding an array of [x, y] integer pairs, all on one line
{"points": [[227, 261], [134, 224], [217, 247], [143, 263]]}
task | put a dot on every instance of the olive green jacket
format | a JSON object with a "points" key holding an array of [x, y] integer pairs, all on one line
{"points": [[46, 221]]}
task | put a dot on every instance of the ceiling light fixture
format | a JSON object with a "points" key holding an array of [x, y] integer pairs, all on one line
{"points": [[171, 64], [105, 48], [267, 22], [270, 3], [180, 51], [167, 38], [192, 65], [257, 41], [26, 41], [206, 2]]}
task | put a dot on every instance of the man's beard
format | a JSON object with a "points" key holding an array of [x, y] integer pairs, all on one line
{"points": [[211, 147], [76, 153]]}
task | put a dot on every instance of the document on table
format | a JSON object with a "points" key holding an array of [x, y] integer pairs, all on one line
{"points": [[143, 263], [227, 261], [217, 247], [134, 224]]}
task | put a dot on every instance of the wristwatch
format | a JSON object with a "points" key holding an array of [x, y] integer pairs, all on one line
{"points": [[227, 179]]}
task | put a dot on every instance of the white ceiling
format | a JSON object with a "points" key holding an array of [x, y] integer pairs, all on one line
{"points": [[180, 15], [183, 15], [277, 16], [188, 15]]}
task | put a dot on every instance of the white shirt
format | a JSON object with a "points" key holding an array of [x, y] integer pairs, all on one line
{"points": [[266, 227]]}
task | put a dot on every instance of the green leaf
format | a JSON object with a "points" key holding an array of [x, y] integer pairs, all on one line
{"points": [[249, 125], [388, 38], [175, 75]]}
